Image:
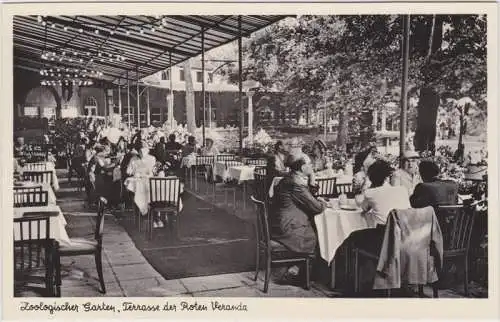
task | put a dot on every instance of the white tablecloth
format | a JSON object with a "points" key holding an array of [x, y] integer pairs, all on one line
{"points": [[44, 166], [334, 226], [57, 224], [221, 170], [241, 173], [45, 187], [140, 187]]}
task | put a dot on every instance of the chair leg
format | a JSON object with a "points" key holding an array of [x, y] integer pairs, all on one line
{"points": [[466, 276], [356, 271], [421, 291], [98, 263], [257, 262], [435, 293], [308, 273], [268, 273]]}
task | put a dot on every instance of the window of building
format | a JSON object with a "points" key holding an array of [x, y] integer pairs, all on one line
{"points": [[165, 75], [90, 108], [199, 77], [181, 75]]}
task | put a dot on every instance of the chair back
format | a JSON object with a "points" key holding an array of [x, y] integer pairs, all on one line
{"points": [[38, 176], [262, 227], [27, 189], [205, 159], [164, 191], [225, 157], [31, 198], [33, 249], [260, 185], [256, 161], [326, 187], [456, 223], [344, 188], [99, 224], [232, 163], [35, 166]]}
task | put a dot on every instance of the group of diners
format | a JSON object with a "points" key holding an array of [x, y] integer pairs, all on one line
{"points": [[377, 188]]}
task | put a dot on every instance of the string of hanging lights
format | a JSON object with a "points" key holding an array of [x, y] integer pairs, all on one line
{"points": [[157, 23], [74, 56]]}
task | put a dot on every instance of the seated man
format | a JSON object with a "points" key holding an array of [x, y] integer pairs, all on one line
{"points": [[433, 191], [407, 176]]}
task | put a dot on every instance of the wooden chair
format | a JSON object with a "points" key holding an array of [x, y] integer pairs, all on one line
{"points": [[38, 176], [456, 224], [31, 199], [165, 196], [273, 251], [27, 189], [225, 157], [204, 165], [344, 188], [256, 161], [36, 256], [260, 185], [35, 166], [83, 246], [327, 188]]}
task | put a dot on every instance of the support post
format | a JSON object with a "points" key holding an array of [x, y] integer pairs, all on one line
{"points": [[148, 115], [209, 111], [138, 99], [171, 101], [250, 115], [203, 81], [404, 87], [128, 100], [240, 84], [119, 99]]}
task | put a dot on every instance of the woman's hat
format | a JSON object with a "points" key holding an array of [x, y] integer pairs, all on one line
{"points": [[321, 144]]}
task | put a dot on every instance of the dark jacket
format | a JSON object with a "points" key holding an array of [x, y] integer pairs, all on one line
{"points": [[291, 215], [160, 152], [435, 193]]}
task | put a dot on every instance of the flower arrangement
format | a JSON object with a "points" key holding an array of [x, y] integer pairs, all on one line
{"points": [[262, 141], [162, 169]]}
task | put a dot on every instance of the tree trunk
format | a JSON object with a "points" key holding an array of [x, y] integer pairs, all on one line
{"points": [[343, 129], [190, 103], [425, 135]]}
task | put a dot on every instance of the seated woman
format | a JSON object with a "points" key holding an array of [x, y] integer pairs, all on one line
{"points": [[320, 161], [433, 191], [276, 164], [294, 208], [377, 202], [143, 164], [209, 149], [190, 147], [362, 162]]}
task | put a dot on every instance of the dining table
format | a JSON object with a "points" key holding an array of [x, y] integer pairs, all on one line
{"points": [[140, 186], [57, 224], [334, 226], [43, 166]]}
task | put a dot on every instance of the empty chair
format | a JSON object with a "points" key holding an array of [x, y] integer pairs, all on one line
{"points": [[344, 188], [36, 255], [256, 161], [165, 196], [272, 251], [260, 185], [326, 188], [38, 176], [456, 224], [35, 166], [225, 157], [204, 166], [31, 198], [83, 246]]}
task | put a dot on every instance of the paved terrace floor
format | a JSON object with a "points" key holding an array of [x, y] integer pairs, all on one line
{"points": [[128, 274]]}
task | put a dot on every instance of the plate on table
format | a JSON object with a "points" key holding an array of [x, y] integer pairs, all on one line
{"points": [[349, 207]]}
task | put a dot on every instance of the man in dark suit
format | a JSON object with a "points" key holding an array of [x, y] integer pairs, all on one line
{"points": [[433, 191]]}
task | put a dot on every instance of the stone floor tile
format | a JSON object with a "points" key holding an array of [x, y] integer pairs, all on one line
{"points": [[86, 290], [214, 282], [135, 271], [117, 259], [152, 287], [243, 291]]}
